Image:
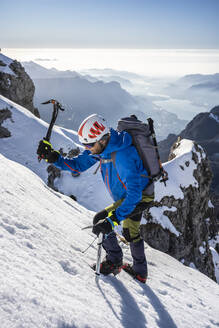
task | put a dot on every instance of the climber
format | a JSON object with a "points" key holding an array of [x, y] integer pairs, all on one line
{"points": [[126, 180]]}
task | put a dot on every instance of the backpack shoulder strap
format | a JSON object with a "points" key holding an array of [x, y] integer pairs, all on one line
{"points": [[113, 157]]}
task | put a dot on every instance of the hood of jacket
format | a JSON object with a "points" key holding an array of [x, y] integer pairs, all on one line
{"points": [[118, 141]]}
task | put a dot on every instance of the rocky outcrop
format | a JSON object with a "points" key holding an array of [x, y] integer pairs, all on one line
{"points": [[4, 115], [180, 224], [16, 85]]}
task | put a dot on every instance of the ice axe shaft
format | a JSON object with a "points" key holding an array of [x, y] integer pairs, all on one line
{"points": [[99, 249], [56, 107]]}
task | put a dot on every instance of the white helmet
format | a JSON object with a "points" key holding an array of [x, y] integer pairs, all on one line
{"points": [[92, 129]]}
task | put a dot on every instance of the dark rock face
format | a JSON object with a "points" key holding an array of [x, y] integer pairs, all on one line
{"points": [[202, 127], [55, 173], [215, 202], [193, 219], [18, 87], [4, 115]]}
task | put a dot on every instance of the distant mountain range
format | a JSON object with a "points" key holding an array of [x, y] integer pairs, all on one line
{"points": [[198, 88], [194, 79], [36, 71], [82, 95], [198, 82]]}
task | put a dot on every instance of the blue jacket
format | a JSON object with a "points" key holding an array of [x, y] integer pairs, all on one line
{"points": [[127, 179]]}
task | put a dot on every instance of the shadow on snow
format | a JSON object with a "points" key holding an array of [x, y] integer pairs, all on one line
{"points": [[132, 315]]}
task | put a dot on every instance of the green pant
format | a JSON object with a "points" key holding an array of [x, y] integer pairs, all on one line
{"points": [[131, 230], [131, 224]]}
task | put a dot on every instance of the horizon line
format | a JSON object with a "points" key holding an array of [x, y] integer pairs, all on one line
{"points": [[99, 48]]}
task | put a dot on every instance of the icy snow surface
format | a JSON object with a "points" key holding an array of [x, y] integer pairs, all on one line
{"points": [[6, 69], [46, 280]]}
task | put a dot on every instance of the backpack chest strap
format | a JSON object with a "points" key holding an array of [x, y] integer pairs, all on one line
{"points": [[105, 161], [112, 159]]}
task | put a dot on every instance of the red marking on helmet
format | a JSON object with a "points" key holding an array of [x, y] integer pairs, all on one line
{"points": [[81, 129], [96, 130]]}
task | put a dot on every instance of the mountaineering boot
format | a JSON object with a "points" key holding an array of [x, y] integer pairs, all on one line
{"points": [[107, 267], [129, 269]]}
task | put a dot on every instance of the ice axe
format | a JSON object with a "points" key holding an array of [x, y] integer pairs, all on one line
{"points": [[56, 107], [99, 249]]}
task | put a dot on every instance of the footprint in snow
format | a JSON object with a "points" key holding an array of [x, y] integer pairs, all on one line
{"points": [[171, 286], [65, 325], [9, 229], [162, 292], [190, 306], [21, 226], [16, 224], [67, 267], [152, 264], [76, 248], [29, 245], [44, 226]]}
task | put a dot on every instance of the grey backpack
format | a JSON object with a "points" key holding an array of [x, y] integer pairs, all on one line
{"points": [[143, 138]]}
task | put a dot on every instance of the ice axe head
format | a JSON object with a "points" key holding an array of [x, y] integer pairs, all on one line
{"points": [[54, 102]]}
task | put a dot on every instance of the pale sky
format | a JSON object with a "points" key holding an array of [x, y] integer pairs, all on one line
{"points": [[109, 24]]}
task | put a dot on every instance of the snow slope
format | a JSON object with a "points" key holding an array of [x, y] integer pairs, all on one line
{"points": [[46, 280], [26, 131]]}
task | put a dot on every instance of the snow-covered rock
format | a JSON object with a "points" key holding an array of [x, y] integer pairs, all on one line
{"points": [[5, 63], [46, 280], [177, 223], [203, 129]]}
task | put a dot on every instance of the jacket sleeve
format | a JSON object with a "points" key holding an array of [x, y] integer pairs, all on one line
{"points": [[78, 164], [132, 180]]}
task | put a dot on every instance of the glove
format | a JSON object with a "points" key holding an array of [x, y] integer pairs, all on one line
{"points": [[102, 215], [46, 151], [99, 216], [104, 224]]}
